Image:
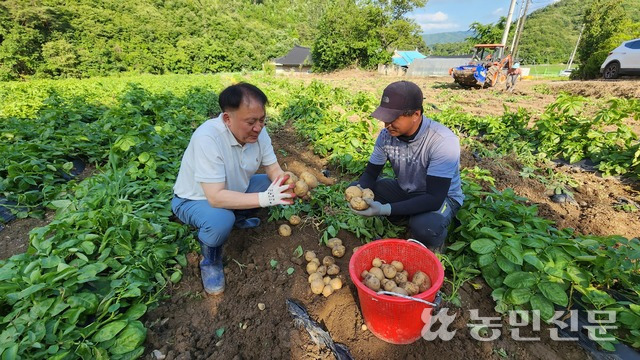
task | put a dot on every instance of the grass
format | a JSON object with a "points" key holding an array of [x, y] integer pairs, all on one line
{"points": [[545, 70]]}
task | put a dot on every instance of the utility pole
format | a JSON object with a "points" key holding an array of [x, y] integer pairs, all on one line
{"points": [[507, 25], [515, 33], [575, 48], [524, 18]]}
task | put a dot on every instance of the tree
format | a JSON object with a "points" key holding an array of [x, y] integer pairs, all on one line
{"points": [[454, 48], [59, 59], [399, 8], [487, 34], [347, 35], [604, 20], [363, 34]]}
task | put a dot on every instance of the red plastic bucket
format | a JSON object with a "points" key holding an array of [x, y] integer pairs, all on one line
{"points": [[393, 319]]}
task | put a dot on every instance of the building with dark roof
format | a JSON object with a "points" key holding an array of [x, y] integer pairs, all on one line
{"points": [[297, 60]]}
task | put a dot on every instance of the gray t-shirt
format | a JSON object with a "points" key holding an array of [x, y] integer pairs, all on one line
{"points": [[214, 156], [434, 151]]}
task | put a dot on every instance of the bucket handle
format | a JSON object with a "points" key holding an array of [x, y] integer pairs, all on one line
{"points": [[417, 242], [435, 305]]}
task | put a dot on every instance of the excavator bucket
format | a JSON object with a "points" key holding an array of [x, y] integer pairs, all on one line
{"points": [[469, 75]]}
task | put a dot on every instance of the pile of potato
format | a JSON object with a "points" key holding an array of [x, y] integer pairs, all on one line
{"points": [[303, 184], [356, 196], [320, 274], [285, 230], [393, 277], [337, 249]]}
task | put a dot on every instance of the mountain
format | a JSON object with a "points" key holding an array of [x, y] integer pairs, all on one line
{"points": [[550, 33], [446, 37]]}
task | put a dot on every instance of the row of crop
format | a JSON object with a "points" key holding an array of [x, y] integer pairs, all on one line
{"points": [[563, 131], [89, 275], [532, 265], [528, 262], [45, 125]]}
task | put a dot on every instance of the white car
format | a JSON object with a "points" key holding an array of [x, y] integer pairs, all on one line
{"points": [[623, 60]]}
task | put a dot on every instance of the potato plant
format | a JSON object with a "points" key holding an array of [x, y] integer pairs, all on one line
{"points": [[328, 209]]}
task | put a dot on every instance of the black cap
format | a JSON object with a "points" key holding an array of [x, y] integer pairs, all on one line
{"points": [[397, 98]]}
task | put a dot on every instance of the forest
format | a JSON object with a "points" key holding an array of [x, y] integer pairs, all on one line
{"points": [[58, 39]]}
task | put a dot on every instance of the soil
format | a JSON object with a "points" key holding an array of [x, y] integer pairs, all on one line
{"points": [[14, 238], [184, 326]]}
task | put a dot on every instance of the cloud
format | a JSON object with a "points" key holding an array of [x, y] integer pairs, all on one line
{"points": [[498, 11], [438, 26], [434, 21], [431, 17]]}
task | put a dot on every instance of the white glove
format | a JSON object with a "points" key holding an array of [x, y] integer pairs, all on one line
{"points": [[275, 194]]}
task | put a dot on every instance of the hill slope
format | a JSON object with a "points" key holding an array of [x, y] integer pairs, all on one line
{"points": [[446, 37], [550, 34]]}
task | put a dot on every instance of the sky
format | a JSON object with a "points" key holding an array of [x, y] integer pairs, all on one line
{"points": [[456, 15]]}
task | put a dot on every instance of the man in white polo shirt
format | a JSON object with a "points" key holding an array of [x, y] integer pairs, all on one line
{"points": [[217, 182]]}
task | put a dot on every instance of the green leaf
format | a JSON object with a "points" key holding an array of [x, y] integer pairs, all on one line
{"points": [[533, 242], [87, 300], [50, 261], [129, 339], [518, 296], [540, 303], [498, 294], [109, 331], [506, 265], [176, 276], [512, 254], [554, 292], [11, 352], [13, 297], [144, 157], [132, 291], [457, 245], [220, 332], [532, 258], [486, 259], [182, 260], [578, 276], [125, 143], [273, 263], [61, 204], [135, 311], [491, 232], [607, 345], [298, 251], [483, 246], [290, 271], [332, 231], [520, 280]]}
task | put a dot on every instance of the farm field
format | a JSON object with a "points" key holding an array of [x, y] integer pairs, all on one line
{"points": [[551, 178]]}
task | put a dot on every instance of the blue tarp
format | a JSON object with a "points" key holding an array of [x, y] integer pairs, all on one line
{"points": [[406, 57]]}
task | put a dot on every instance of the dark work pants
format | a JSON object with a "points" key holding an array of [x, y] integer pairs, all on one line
{"points": [[430, 228]]}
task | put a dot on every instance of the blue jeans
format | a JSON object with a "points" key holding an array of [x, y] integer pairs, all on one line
{"points": [[214, 224]]}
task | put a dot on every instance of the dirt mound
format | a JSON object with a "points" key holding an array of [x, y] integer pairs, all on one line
{"points": [[624, 88]]}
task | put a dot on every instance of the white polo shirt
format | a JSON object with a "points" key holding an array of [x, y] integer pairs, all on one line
{"points": [[214, 155]]}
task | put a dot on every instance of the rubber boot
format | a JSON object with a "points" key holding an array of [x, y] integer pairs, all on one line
{"points": [[245, 219], [246, 223], [211, 269]]}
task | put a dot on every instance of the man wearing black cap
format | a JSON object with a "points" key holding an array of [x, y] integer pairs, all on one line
{"points": [[425, 157]]}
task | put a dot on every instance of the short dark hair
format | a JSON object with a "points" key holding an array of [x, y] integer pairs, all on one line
{"points": [[231, 97], [410, 112]]}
